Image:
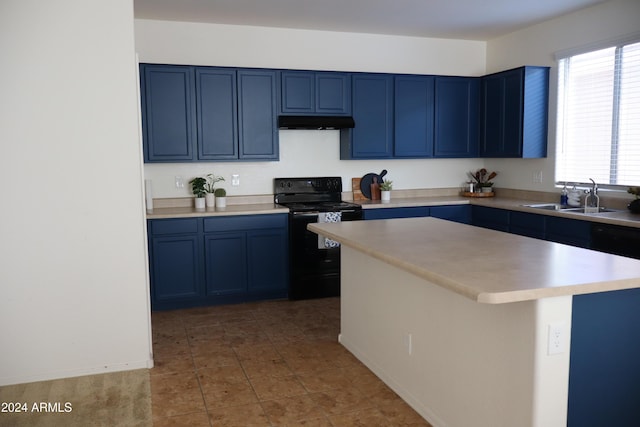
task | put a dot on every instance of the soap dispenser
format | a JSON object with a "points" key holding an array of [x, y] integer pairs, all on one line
{"points": [[564, 196]]}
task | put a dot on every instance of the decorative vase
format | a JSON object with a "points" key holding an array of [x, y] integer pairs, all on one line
{"points": [[221, 202], [385, 196], [200, 202], [210, 200], [634, 206]]}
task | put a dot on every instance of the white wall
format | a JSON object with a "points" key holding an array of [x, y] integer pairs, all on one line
{"points": [[305, 153], [73, 282], [537, 45]]}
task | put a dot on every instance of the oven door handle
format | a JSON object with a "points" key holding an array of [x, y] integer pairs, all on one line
{"points": [[304, 214]]}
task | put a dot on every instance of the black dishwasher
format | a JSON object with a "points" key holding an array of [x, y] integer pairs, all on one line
{"points": [[617, 240]]}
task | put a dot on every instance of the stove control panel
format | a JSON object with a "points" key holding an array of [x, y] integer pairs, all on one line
{"points": [[308, 185]]}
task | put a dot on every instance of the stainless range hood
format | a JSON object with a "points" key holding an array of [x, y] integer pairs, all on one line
{"points": [[315, 122]]}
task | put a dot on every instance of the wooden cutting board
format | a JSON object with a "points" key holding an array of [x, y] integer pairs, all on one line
{"points": [[355, 187]]}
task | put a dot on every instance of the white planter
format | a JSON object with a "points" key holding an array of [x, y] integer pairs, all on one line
{"points": [[487, 189], [221, 202], [210, 199], [200, 202], [385, 196]]}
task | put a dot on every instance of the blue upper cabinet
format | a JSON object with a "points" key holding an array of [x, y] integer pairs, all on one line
{"points": [[372, 109], [333, 93], [168, 113], [257, 116], [315, 93], [217, 117], [208, 113], [457, 111], [515, 113], [413, 116]]}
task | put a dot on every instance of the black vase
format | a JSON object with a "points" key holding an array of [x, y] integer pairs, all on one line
{"points": [[634, 206]]}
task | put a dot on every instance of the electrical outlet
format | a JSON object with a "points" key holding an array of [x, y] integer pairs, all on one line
{"points": [[179, 182], [537, 177], [235, 179], [556, 344], [408, 343]]}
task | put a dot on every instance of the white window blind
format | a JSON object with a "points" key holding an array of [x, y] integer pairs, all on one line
{"points": [[598, 133]]}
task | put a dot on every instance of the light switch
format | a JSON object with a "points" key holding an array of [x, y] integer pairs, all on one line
{"points": [[235, 179]]}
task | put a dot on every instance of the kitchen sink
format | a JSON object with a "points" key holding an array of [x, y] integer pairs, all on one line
{"points": [[560, 208]]}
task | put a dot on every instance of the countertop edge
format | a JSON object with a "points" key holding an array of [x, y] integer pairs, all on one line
{"points": [[480, 296], [230, 210]]}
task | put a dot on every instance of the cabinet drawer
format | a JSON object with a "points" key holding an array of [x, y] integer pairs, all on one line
{"points": [[159, 227], [244, 222]]}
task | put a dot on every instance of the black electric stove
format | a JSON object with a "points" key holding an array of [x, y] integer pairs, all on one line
{"points": [[314, 269]]}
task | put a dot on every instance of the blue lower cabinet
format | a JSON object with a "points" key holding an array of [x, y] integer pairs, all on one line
{"points": [[175, 269], [389, 213], [568, 231], [218, 260], [495, 219], [455, 213], [267, 254], [225, 263], [527, 224], [604, 328]]}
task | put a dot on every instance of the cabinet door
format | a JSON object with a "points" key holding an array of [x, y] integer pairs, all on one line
{"points": [[175, 269], [267, 260], [455, 213], [495, 219], [168, 122], [372, 102], [298, 92], [568, 231], [216, 113], [527, 224], [502, 114], [225, 263], [414, 114], [493, 116], [257, 122], [457, 105], [333, 93], [515, 106]]}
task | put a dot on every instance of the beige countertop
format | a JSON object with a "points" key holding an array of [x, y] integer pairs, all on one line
{"points": [[240, 209], [258, 205], [621, 217], [484, 265]]}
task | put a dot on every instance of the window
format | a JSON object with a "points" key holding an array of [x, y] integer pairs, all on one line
{"points": [[598, 133]]}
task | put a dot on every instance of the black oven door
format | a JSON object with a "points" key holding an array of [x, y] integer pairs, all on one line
{"points": [[315, 271]]}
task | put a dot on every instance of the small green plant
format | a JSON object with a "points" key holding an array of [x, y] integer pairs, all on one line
{"points": [[635, 191], [220, 192], [386, 185], [198, 186], [211, 182], [482, 178]]}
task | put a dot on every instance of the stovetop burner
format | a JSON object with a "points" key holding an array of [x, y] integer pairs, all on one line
{"points": [[322, 194]]}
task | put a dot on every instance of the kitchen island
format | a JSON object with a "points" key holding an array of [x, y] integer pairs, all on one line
{"points": [[474, 327]]}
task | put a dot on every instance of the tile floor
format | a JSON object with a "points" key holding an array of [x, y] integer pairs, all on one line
{"points": [[265, 364]]}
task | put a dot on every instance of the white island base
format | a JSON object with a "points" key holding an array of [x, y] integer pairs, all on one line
{"points": [[456, 362]]}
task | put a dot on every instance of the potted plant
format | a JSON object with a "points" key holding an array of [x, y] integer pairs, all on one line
{"points": [[385, 190], [198, 188], [221, 197], [634, 206], [210, 187], [483, 180]]}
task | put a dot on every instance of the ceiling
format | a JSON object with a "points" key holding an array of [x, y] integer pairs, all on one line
{"points": [[453, 19]]}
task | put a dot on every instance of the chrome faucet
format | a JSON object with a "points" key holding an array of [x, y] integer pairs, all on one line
{"points": [[592, 199]]}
